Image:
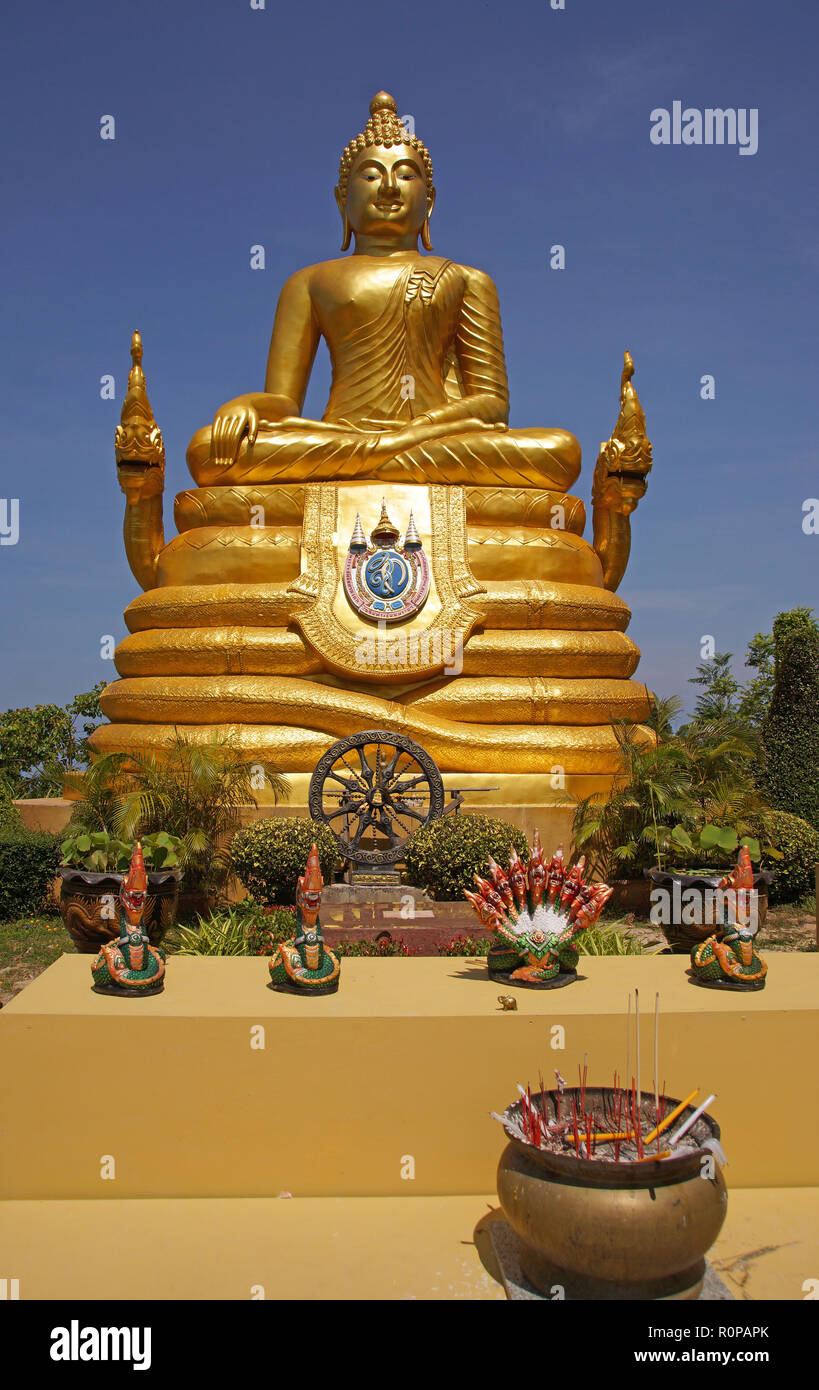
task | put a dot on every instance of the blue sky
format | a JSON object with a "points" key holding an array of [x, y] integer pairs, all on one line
{"points": [[229, 126]]}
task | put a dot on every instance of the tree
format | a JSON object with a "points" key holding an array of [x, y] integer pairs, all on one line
{"points": [[721, 687], [761, 656], [790, 732], [37, 743]]}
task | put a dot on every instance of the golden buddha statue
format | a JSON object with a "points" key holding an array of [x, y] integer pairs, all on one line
{"points": [[505, 651]]}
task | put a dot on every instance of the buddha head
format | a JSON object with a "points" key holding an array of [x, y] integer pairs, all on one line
{"points": [[385, 186]]}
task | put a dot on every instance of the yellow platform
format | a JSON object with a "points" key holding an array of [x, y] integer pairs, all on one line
{"points": [[360, 1248], [399, 1070]]}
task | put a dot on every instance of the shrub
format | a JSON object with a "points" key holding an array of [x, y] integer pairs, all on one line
{"points": [[268, 856], [790, 734], [607, 941], [444, 856], [466, 946], [28, 864], [10, 817], [193, 791], [243, 930], [798, 843], [382, 946]]}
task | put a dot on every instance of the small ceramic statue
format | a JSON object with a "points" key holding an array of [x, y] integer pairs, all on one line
{"points": [[728, 959], [304, 965], [131, 966], [536, 910]]}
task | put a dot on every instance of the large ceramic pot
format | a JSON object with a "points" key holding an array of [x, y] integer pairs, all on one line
{"points": [[89, 906], [606, 1230], [692, 897]]}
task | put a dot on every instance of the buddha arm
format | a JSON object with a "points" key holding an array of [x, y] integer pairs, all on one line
{"points": [[479, 357], [293, 345]]}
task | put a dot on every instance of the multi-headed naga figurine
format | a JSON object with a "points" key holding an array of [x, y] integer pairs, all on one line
{"points": [[727, 959], [131, 966], [537, 910], [303, 965]]}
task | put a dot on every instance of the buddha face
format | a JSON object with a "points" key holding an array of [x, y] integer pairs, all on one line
{"points": [[387, 194]]}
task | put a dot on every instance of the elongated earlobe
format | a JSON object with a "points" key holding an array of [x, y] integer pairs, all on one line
{"points": [[347, 231], [425, 241]]}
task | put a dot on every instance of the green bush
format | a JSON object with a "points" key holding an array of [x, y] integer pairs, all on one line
{"points": [[28, 865], [268, 856], [607, 941], [466, 946], [798, 843], [243, 930], [790, 733], [383, 946], [444, 856], [10, 817]]}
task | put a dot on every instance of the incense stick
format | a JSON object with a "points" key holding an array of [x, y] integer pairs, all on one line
{"points": [[656, 1059], [675, 1138], [669, 1119]]}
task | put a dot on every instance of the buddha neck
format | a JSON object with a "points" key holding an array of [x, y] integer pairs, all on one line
{"points": [[384, 246]]}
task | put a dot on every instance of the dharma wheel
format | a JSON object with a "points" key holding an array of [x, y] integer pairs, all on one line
{"points": [[375, 789]]}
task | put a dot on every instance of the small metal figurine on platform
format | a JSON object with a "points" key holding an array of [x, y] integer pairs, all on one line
{"points": [[727, 959], [304, 965], [537, 910], [131, 966]]}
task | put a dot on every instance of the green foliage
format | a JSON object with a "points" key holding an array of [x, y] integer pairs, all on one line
{"points": [[797, 844], [720, 687], [242, 930], [38, 743], [607, 941], [466, 946], [444, 856], [28, 865], [382, 946], [268, 856], [790, 733], [629, 831], [99, 852], [9, 815], [689, 791], [193, 791], [723, 839]]}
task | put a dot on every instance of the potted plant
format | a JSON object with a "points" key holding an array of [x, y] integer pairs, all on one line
{"points": [[94, 864], [679, 809], [194, 791], [688, 906]]}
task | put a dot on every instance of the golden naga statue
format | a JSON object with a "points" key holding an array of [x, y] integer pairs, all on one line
{"points": [[493, 636]]}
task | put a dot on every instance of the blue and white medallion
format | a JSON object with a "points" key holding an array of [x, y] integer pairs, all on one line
{"points": [[384, 581]]}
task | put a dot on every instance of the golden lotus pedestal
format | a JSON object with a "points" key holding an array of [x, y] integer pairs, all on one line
{"points": [[507, 674], [380, 1129]]}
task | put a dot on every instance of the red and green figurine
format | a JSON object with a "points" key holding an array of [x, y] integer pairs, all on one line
{"points": [[130, 966], [727, 960], [303, 965], [536, 910]]}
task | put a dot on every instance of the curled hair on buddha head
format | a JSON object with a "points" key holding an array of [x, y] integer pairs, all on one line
{"points": [[383, 128]]}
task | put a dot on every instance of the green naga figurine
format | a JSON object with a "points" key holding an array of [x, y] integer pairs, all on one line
{"points": [[303, 965], [131, 966], [727, 960]]}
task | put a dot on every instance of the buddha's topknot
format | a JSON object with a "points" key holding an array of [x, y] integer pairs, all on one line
{"points": [[385, 129]]}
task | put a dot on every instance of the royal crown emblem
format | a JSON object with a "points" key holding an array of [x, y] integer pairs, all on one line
{"points": [[383, 580]]}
